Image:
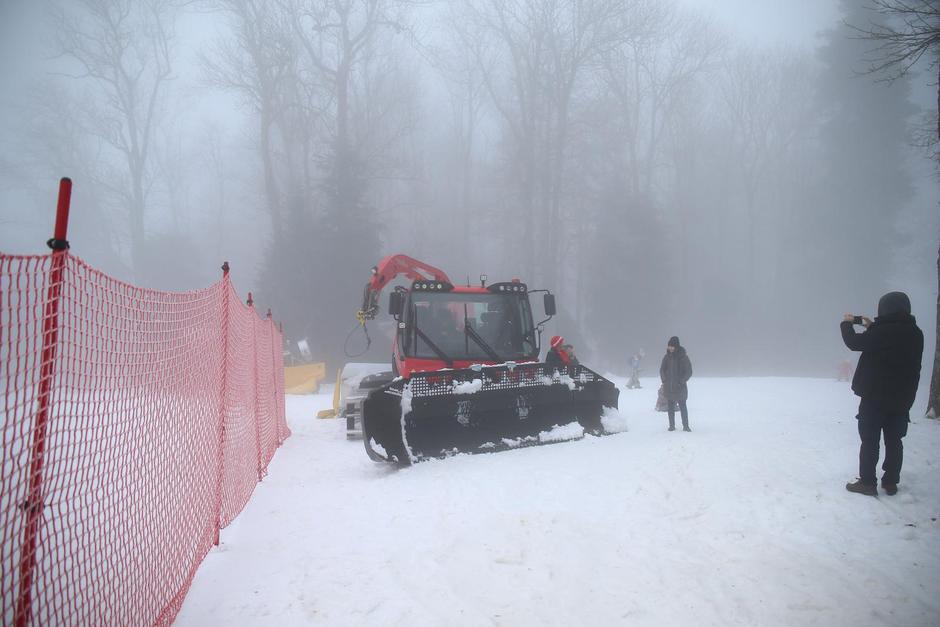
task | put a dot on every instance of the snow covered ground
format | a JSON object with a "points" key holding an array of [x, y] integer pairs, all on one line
{"points": [[745, 521]]}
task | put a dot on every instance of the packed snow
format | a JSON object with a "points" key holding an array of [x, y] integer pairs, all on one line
{"points": [[560, 433], [744, 521], [613, 421], [564, 379], [378, 448], [468, 387], [517, 442], [406, 398]]}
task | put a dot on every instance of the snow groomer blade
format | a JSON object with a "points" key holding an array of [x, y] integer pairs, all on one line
{"points": [[484, 409]]}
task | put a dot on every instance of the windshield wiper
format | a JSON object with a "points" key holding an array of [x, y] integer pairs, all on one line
{"points": [[470, 332], [434, 347]]}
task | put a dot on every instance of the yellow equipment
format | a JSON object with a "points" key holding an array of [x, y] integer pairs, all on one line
{"points": [[353, 382], [304, 379], [334, 412]]}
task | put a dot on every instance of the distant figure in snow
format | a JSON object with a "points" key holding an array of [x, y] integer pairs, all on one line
{"points": [[886, 379], [634, 382], [560, 354], [675, 372], [845, 370]]}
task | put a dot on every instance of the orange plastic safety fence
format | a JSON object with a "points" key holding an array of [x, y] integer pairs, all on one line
{"points": [[136, 424]]}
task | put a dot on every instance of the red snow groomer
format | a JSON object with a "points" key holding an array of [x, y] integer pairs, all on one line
{"points": [[468, 377]]}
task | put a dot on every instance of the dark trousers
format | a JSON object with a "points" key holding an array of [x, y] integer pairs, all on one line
{"points": [[683, 411], [873, 421]]}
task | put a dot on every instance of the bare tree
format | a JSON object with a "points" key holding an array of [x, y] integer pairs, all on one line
{"points": [[52, 139], [335, 36], [581, 35], [172, 169], [652, 77], [643, 74], [213, 160], [340, 42], [762, 92], [507, 45], [467, 97], [532, 55], [908, 31], [123, 48], [255, 63]]}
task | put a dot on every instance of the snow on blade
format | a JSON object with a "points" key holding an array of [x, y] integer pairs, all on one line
{"points": [[613, 421], [560, 433], [563, 379], [468, 387], [406, 396], [513, 443], [378, 448]]}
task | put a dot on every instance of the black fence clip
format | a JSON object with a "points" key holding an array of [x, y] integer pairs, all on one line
{"points": [[57, 244]]}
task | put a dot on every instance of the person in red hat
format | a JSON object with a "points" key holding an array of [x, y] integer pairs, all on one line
{"points": [[560, 354]]}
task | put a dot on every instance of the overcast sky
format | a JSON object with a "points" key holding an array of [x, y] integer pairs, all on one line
{"points": [[781, 22], [778, 22]]}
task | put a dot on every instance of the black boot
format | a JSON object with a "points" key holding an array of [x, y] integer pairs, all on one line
{"points": [[857, 486], [684, 412], [672, 422]]}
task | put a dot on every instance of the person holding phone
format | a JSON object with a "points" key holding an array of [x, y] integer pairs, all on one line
{"points": [[886, 379]]}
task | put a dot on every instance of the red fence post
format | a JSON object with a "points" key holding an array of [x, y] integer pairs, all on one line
{"points": [[33, 504], [221, 462]]}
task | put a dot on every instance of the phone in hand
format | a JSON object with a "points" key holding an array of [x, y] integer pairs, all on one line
{"points": [[857, 320]]}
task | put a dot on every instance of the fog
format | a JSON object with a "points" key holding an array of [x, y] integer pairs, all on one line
{"points": [[727, 172]]}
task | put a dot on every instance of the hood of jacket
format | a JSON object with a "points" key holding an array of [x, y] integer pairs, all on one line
{"points": [[894, 303]]}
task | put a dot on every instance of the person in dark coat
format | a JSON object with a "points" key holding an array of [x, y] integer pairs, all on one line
{"points": [[675, 372], [560, 354], [886, 379]]}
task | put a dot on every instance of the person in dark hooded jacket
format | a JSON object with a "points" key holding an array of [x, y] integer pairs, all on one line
{"points": [[886, 379], [560, 354], [675, 372]]}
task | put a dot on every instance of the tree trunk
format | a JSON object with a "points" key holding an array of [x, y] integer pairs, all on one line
{"points": [[556, 239], [466, 167], [138, 236], [933, 399], [342, 107], [270, 180], [527, 228]]}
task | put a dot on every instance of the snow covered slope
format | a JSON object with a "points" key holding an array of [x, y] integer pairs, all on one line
{"points": [[745, 521]]}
